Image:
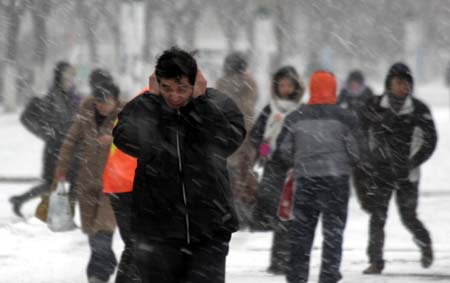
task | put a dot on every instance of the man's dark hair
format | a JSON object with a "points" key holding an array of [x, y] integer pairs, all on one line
{"points": [[175, 63]]}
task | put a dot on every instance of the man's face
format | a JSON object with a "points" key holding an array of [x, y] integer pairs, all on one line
{"points": [[400, 87], [176, 92], [68, 78], [355, 87]]}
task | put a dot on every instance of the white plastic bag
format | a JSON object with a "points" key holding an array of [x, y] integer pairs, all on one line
{"points": [[60, 216]]}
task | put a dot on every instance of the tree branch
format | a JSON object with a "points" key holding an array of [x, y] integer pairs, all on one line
{"points": [[21, 6]]}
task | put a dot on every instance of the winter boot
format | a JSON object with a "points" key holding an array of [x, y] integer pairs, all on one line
{"points": [[427, 256], [374, 268], [17, 205], [276, 270]]}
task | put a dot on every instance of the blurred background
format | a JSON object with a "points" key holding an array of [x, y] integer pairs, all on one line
{"points": [[126, 36]]}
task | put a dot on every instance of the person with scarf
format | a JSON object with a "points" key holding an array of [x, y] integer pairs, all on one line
{"points": [[287, 92]]}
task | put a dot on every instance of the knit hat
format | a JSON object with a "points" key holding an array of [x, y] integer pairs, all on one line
{"points": [[355, 76], [322, 88], [399, 70]]}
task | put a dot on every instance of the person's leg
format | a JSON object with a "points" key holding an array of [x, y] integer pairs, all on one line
{"points": [[19, 200], [206, 263], [379, 204], [361, 183], [157, 262], [280, 250], [103, 261], [301, 231], [407, 200], [121, 204], [334, 218]]}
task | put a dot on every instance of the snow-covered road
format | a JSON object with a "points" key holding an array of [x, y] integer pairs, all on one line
{"points": [[30, 253]]}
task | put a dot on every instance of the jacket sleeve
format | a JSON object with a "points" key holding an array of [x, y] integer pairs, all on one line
{"points": [[426, 134], [285, 150], [356, 141], [219, 122], [69, 147], [257, 132], [125, 132]]}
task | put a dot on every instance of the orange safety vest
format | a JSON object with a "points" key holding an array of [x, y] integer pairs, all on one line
{"points": [[118, 176]]}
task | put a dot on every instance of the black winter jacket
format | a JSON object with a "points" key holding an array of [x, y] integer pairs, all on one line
{"points": [[181, 188], [399, 142]]}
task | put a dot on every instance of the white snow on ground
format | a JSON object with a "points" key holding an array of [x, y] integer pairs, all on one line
{"points": [[30, 253]]}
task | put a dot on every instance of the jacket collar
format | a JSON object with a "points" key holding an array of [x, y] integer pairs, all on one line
{"points": [[407, 108]]}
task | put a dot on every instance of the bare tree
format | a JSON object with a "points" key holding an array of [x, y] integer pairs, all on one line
{"points": [[151, 7], [89, 13], [14, 10], [232, 15], [111, 14]]}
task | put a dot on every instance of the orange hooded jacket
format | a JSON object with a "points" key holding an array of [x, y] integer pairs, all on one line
{"points": [[322, 88], [118, 176]]}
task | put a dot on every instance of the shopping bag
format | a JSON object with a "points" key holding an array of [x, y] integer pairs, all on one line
{"points": [[60, 213], [286, 204], [42, 209]]}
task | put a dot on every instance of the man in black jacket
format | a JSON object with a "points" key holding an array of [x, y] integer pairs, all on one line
{"points": [[354, 96], [182, 134], [402, 136]]}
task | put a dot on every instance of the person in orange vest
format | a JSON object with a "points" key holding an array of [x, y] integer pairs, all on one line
{"points": [[118, 179]]}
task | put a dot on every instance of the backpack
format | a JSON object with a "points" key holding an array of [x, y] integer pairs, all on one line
{"points": [[34, 117]]}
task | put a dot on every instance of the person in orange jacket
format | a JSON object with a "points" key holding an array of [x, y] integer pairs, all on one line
{"points": [[118, 179]]}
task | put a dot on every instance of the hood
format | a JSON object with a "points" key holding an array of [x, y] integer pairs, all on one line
{"points": [[399, 70], [322, 88], [288, 72]]}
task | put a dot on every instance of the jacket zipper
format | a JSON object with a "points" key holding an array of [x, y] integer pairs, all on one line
{"points": [[183, 187]]}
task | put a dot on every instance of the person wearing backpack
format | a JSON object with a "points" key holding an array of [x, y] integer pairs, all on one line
{"points": [[50, 118]]}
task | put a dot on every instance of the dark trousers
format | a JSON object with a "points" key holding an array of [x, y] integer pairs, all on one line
{"points": [[202, 262], [44, 188], [326, 196], [406, 194], [279, 256], [102, 262], [121, 204]]}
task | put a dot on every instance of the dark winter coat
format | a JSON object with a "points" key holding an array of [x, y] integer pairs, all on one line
{"points": [[399, 142], [355, 103], [57, 113], [181, 188], [271, 184]]}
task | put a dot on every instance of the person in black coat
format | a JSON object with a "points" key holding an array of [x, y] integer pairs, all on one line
{"points": [[402, 136], [59, 108], [183, 213], [355, 94], [354, 97]]}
